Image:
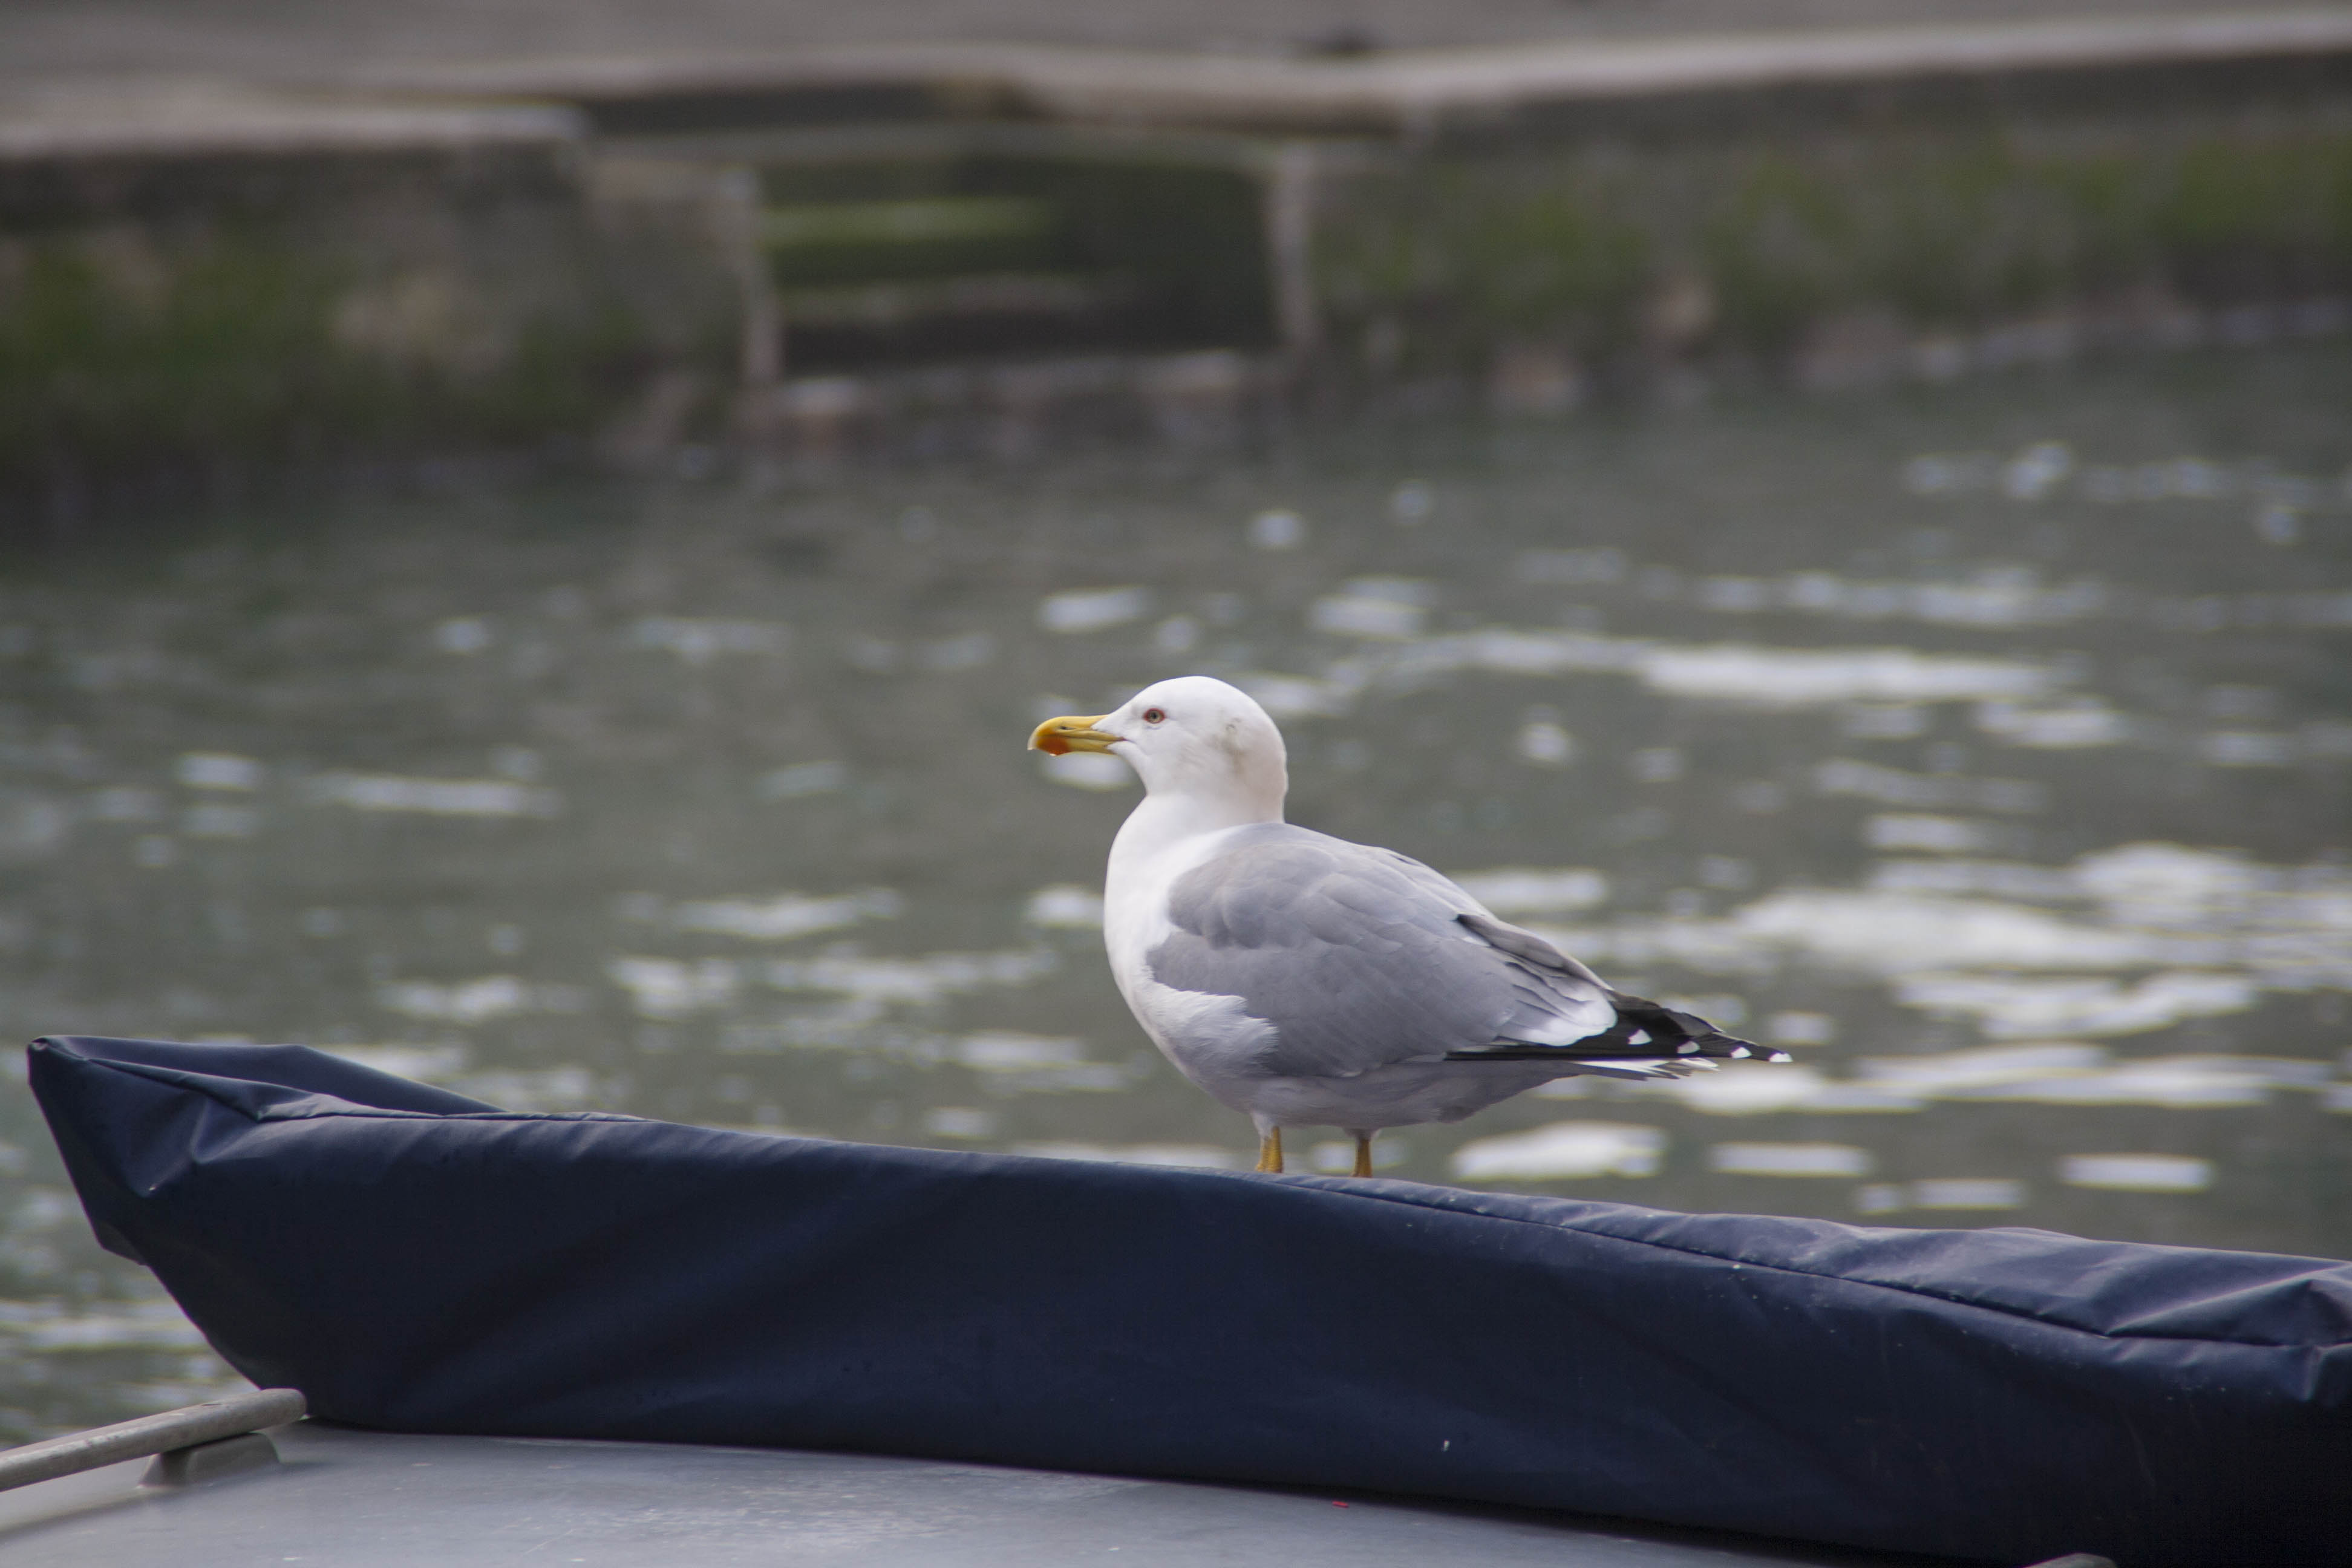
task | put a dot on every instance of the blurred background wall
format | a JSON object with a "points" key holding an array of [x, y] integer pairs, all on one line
{"points": [[236, 237]]}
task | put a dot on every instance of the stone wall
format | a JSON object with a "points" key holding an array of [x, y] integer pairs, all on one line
{"points": [[225, 287], [1916, 248], [169, 320]]}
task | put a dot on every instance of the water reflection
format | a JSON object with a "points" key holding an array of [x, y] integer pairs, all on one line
{"points": [[1987, 749]]}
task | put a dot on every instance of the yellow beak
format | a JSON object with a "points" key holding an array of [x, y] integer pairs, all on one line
{"points": [[1058, 737]]}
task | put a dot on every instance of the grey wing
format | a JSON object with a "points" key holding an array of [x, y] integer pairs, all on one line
{"points": [[1359, 958]]}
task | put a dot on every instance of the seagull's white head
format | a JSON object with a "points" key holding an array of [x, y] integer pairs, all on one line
{"points": [[1192, 737]]}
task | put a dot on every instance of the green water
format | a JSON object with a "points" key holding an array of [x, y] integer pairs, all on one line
{"points": [[1986, 746]]}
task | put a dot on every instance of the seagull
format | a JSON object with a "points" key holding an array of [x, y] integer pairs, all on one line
{"points": [[1308, 981]]}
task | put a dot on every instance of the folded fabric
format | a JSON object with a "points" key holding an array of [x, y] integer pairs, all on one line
{"points": [[414, 1260]]}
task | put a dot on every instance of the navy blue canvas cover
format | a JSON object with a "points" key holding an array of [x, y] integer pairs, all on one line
{"points": [[416, 1260]]}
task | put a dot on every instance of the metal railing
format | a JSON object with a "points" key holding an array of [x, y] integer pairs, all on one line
{"points": [[170, 1433]]}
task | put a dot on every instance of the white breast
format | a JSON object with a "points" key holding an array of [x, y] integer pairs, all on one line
{"points": [[1135, 899], [1197, 1032]]}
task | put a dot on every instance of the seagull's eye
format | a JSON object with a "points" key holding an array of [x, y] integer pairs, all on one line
{"points": [[1155, 716]]}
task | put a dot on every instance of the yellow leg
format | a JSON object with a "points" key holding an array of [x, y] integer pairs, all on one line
{"points": [[1363, 1153], [1269, 1152]]}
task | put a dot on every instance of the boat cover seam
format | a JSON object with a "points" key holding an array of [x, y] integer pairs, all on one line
{"points": [[1839, 1279]]}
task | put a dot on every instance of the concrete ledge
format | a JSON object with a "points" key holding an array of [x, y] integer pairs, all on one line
{"points": [[1413, 93], [197, 121], [1402, 93]]}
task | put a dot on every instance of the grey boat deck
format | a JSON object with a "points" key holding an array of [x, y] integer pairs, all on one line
{"points": [[360, 1499]]}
